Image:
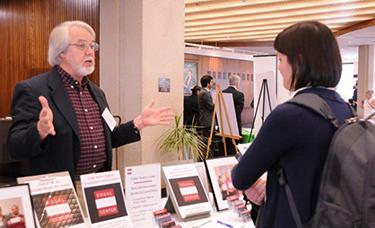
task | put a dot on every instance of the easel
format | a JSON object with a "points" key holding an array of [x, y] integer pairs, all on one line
{"points": [[219, 101], [263, 92]]}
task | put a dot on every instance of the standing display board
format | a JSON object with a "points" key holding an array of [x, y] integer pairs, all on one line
{"points": [[265, 68], [226, 117], [265, 88], [185, 188], [227, 107], [55, 200], [105, 201]]}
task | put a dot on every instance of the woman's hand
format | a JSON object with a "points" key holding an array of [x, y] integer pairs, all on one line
{"points": [[257, 192]]}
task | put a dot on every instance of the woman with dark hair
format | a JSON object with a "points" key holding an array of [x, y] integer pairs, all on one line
{"points": [[310, 62]]}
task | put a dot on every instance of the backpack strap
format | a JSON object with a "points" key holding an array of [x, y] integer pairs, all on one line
{"points": [[370, 116], [284, 184], [316, 104]]}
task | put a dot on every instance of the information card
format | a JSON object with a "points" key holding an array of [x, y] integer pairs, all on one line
{"points": [[143, 194]]}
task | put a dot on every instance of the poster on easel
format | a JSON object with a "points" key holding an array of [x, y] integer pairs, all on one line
{"points": [[226, 117], [143, 193], [185, 188], [105, 200], [55, 200], [228, 126]]}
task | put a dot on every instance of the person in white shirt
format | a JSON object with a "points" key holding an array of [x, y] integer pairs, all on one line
{"points": [[369, 104]]}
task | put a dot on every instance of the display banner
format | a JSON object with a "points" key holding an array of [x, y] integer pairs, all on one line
{"points": [[143, 193], [104, 199], [186, 190], [55, 200]]}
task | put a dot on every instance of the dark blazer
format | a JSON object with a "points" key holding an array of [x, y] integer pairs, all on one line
{"points": [[206, 107], [191, 110], [62, 151], [239, 100]]}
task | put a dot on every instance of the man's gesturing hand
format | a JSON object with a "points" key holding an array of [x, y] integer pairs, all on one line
{"points": [[45, 123], [151, 116]]}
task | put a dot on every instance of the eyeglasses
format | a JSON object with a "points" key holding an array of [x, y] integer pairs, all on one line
{"points": [[83, 46]]}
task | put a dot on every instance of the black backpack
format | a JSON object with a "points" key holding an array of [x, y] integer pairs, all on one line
{"points": [[347, 187]]}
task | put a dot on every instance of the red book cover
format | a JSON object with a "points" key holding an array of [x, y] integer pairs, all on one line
{"points": [[105, 202], [188, 190]]}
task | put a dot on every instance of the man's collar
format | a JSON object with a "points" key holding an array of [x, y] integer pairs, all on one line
{"points": [[69, 79], [235, 87]]}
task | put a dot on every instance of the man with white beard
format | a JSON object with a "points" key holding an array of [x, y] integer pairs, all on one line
{"points": [[61, 120]]}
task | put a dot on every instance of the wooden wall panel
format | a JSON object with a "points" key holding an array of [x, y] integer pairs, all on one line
{"points": [[219, 68], [25, 26]]}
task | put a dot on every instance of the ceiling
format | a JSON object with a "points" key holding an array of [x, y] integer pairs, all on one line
{"points": [[253, 24]]}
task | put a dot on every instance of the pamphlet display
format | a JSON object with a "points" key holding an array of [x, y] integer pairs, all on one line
{"points": [[105, 201], [15, 202], [219, 170], [186, 190], [143, 193], [55, 200]]}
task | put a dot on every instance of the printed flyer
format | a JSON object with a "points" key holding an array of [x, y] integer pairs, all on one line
{"points": [[105, 201], [143, 193], [55, 200]]}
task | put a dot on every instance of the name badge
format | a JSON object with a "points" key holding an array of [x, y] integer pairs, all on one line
{"points": [[110, 121]]}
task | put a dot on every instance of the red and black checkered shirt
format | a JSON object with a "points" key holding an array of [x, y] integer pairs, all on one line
{"points": [[90, 124]]}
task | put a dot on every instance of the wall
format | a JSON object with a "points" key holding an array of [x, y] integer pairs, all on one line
{"points": [[219, 69], [25, 26], [144, 41]]}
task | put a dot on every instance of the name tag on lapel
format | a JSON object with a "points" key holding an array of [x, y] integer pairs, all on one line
{"points": [[110, 121]]}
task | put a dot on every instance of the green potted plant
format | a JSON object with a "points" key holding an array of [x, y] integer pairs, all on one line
{"points": [[183, 140]]}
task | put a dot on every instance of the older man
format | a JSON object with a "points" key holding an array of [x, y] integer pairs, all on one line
{"points": [[61, 119], [238, 100], [238, 97]]}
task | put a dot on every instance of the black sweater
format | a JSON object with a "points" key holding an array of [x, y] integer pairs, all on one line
{"points": [[301, 138]]}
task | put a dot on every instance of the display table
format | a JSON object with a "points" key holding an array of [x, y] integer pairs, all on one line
{"points": [[227, 217], [224, 219]]}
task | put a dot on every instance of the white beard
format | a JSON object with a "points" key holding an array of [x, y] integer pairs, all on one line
{"points": [[84, 71], [81, 70]]}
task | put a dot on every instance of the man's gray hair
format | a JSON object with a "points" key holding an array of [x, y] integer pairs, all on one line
{"points": [[59, 39], [234, 79]]}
